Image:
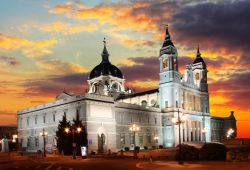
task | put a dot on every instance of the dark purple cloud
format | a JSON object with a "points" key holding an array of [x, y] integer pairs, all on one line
{"points": [[53, 85], [236, 88], [219, 24], [11, 61], [145, 68]]}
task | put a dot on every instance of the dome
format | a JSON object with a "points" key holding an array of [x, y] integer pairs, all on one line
{"points": [[105, 67]]}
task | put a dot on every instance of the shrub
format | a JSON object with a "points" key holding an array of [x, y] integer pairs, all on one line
{"points": [[145, 148], [160, 146], [137, 149], [188, 153], [213, 151], [126, 148]]}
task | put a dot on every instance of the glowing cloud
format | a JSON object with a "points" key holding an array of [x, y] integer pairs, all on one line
{"points": [[29, 48], [65, 28]]}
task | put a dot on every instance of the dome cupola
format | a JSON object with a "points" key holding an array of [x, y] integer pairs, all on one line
{"points": [[105, 67]]}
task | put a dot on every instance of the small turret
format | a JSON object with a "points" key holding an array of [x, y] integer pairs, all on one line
{"points": [[199, 59]]}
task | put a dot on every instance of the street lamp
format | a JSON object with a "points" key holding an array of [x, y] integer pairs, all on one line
{"points": [[134, 128], [204, 131], [156, 138], [14, 137], [44, 134], [78, 130], [178, 121], [230, 132]]}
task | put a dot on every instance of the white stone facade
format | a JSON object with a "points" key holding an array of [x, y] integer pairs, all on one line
{"points": [[108, 109]]}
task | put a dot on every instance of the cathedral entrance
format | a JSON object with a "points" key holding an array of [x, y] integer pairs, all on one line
{"points": [[101, 143]]}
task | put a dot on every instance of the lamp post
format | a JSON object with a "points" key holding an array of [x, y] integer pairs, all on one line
{"points": [[44, 134], [178, 121], [14, 138], [78, 130], [229, 133], [156, 141], [204, 131], [134, 128]]}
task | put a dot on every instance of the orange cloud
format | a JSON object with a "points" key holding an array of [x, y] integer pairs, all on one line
{"points": [[146, 84], [125, 39], [65, 28], [60, 67], [62, 8], [118, 16], [28, 47]]}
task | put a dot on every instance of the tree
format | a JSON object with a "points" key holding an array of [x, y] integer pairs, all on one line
{"points": [[64, 140], [80, 138]]}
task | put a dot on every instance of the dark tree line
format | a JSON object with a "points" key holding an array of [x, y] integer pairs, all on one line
{"points": [[65, 140]]}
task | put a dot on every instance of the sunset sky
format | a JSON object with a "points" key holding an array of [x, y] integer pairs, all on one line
{"points": [[51, 45]]}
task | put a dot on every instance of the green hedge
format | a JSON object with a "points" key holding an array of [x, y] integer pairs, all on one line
{"points": [[209, 151], [213, 151], [188, 153]]}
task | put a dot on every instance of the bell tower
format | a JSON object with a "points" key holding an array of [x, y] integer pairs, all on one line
{"points": [[169, 74]]}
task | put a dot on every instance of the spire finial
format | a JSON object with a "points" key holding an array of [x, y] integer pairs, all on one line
{"points": [[167, 40], [198, 51], [104, 41], [105, 53]]}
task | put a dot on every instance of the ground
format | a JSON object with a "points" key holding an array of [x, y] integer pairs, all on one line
{"points": [[127, 163]]}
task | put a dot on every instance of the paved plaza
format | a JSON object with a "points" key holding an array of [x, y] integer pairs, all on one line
{"points": [[105, 163]]}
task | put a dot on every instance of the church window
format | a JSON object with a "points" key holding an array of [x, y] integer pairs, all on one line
{"points": [[183, 134], [28, 141], [131, 139], [197, 76], [44, 119], [176, 103], [175, 64], [20, 124], [64, 114], [166, 104], [144, 103], [140, 139], [149, 139], [54, 117], [122, 139], [153, 102], [28, 121], [36, 119], [165, 63], [114, 86], [37, 141], [77, 113], [206, 109]]}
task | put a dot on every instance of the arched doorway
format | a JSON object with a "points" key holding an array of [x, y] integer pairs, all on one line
{"points": [[101, 139], [101, 143]]}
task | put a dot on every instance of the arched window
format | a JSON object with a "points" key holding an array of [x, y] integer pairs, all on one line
{"points": [[175, 64], [144, 103], [165, 63]]}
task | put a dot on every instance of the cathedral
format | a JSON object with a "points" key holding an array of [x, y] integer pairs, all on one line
{"points": [[116, 117]]}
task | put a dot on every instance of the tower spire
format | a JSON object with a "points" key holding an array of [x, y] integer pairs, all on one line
{"points": [[167, 40], [198, 54], [105, 54]]}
